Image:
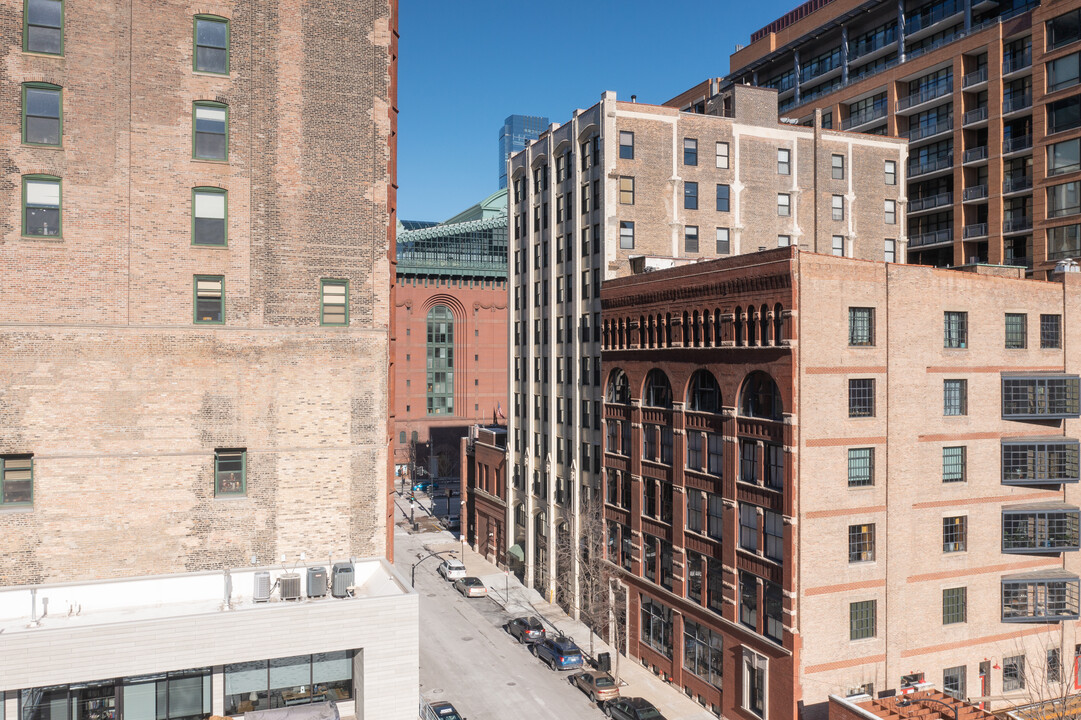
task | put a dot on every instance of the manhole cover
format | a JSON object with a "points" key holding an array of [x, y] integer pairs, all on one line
{"points": [[437, 691], [466, 639], [511, 684]]}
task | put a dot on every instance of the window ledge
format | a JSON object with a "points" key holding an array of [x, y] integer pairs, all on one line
{"points": [[41, 146], [16, 509], [43, 238], [31, 53], [230, 497], [211, 161], [207, 73]]}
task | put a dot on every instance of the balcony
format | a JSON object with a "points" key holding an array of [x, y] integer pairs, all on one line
{"points": [[1041, 597], [1016, 184], [881, 41], [925, 167], [1016, 103], [976, 192], [927, 18], [977, 77], [1016, 63], [1016, 225], [930, 203], [976, 115], [1041, 528], [975, 154], [1040, 396], [864, 116], [1049, 460], [974, 230], [935, 237], [921, 132], [1016, 144], [927, 94]]}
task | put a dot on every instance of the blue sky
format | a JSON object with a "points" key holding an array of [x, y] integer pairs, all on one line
{"points": [[465, 65]]}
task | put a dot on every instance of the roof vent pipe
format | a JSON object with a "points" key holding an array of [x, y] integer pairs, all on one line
{"points": [[34, 609], [634, 98]]}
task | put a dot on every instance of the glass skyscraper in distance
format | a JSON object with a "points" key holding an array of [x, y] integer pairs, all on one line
{"points": [[516, 132]]}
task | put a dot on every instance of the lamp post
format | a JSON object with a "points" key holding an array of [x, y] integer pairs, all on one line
{"points": [[412, 512], [461, 527]]}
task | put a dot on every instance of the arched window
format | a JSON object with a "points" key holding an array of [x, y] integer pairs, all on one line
{"points": [[778, 324], [440, 361], [696, 330], [668, 329], [704, 394], [763, 319], [519, 514], [760, 397], [658, 392], [738, 325], [752, 327], [619, 388]]}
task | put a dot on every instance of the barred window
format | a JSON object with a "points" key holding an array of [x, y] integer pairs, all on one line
{"points": [[1013, 673], [954, 605], [953, 682], [861, 467], [861, 619], [955, 533], [861, 543], [1050, 331], [861, 326], [1050, 462], [1016, 331], [955, 333], [1047, 396], [861, 398], [953, 464], [954, 397]]}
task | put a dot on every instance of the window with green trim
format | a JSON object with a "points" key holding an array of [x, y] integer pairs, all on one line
{"points": [[16, 479], [42, 114], [41, 206], [210, 131], [43, 26], [211, 44], [209, 213], [209, 299], [440, 361], [334, 302], [230, 472]]}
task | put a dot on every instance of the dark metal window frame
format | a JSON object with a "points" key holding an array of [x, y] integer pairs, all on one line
{"points": [[1041, 396], [1041, 530]]}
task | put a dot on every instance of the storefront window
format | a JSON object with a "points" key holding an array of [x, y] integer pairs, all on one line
{"points": [[181, 695], [285, 682]]}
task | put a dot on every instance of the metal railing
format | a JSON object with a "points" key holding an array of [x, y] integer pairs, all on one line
{"points": [[975, 115], [1016, 144], [975, 154], [935, 90], [975, 230], [1017, 103], [931, 238], [1016, 62], [864, 116], [859, 49], [928, 203], [925, 131], [1017, 184], [976, 192], [1018, 224], [938, 13], [975, 77], [929, 166]]}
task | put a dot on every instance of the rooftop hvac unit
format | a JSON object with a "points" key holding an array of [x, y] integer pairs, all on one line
{"points": [[262, 586], [290, 586], [317, 582], [343, 578]]}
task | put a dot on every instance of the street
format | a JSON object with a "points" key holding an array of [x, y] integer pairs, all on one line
{"points": [[467, 659]]}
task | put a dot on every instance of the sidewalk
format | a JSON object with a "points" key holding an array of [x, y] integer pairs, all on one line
{"points": [[637, 681]]}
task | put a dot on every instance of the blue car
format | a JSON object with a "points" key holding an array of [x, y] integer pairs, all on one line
{"points": [[558, 653]]}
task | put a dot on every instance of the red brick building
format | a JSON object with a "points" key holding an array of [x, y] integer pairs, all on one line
{"points": [[451, 326], [484, 491]]}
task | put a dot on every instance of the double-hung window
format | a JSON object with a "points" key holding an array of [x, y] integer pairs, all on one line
{"points": [[211, 45], [690, 196], [209, 213], [16, 480], [230, 472], [891, 212], [41, 206], [891, 172], [784, 161], [690, 151], [723, 198], [626, 145], [210, 133], [724, 245], [626, 235], [784, 204], [837, 167], [626, 190], [690, 238], [722, 155], [839, 245], [838, 207], [43, 117], [43, 26], [334, 302], [209, 300]]}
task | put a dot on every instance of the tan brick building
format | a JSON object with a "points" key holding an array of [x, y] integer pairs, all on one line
{"points": [[834, 476], [196, 241], [624, 183], [987, 93]]}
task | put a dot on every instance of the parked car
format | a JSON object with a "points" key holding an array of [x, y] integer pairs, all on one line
{"points": [[632, 709], [470, 586], [424, 486], [527, 629], [599, 686], [558, 653], [439, 711], [452, 569], [453, 524]]}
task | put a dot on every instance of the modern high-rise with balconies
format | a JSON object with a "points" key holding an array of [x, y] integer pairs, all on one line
{"points": [[624, 184], [987, 93]]}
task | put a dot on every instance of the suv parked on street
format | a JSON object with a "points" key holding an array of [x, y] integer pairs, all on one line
{"points": [[452, 569], [526, 629], [558, 653]]}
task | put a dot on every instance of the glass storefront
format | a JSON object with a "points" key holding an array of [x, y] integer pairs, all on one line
{"points": [[284, 682]]}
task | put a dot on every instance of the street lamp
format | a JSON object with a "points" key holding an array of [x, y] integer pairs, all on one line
{"points": [[462, 527]]}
